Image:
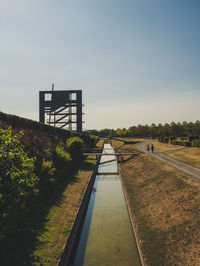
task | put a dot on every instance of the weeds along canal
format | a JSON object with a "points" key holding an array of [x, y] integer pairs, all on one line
{"points": [[107, 237]]}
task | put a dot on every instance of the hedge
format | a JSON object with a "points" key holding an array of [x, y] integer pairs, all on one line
{"points": [[182, 143], [196, 143], [164, 139]]}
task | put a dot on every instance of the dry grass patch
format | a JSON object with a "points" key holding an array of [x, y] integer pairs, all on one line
{"points": [[190, 156], [117, 144], [162, 147]]}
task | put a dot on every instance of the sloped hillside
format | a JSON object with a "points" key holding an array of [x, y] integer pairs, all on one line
{"points": [[37, 163]]}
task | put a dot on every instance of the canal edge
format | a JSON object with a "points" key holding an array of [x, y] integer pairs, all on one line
{"points": [[71, 244], [131, 215]]}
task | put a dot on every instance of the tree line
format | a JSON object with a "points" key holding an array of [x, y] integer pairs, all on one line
{"points": [[184, 129]]}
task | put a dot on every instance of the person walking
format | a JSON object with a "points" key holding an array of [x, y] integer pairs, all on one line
{"points": [[152, 148], [148, 147]]}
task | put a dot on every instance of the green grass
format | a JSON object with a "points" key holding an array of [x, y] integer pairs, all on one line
{"points": [[59, 220]]}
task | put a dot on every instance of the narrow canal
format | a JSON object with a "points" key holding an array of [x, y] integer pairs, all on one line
{"points": [[107, 237]]}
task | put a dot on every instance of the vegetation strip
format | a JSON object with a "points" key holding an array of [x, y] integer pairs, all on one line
{"points": [[42, 177], [187, 134], [70, 248]]}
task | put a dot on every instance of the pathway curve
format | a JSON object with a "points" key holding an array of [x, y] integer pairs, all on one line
{"points": [[193, 171]]}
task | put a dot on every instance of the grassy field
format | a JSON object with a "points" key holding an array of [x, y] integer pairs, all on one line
{"points": [[166, 207], [190, 156]]}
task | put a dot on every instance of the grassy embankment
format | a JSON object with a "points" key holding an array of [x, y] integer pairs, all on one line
{"points": [[165, 204], [59, 221], [61, 188]]}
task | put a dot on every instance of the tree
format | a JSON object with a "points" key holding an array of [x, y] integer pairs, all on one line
{"points": [[153, 130], [17, 179]]}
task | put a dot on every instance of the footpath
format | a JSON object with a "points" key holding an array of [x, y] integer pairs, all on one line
{"points": [[193, 171]]}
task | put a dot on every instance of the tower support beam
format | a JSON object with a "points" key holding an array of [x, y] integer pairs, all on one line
{"points": [[61, 102]]}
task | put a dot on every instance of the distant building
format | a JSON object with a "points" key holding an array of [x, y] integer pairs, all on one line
{"points": [[61, 108]]}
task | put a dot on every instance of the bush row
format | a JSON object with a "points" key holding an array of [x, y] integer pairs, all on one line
{"points": [[191, 141], [196, 143], [182, 143], [166, 139]]}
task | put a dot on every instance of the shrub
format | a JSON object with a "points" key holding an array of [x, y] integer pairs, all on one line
{"points": [[183, 143], [192, 137], [164, 139], [172, 138], [63, 155], [196, 143], [17, 180], [47, 178], [47, 154], [89, 140], [47, 168], [75, 146]]}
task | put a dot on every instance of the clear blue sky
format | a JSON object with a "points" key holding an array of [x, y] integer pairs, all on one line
{"points": [[137, 61]]}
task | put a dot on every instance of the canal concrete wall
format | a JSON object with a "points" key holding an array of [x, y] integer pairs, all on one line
{"points": [[72, 242]]}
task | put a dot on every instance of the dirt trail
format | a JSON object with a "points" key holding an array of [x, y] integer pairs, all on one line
{"points": [[172, 162]]}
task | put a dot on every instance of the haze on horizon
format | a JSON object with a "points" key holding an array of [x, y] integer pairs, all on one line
{"points": [[137, 61]]}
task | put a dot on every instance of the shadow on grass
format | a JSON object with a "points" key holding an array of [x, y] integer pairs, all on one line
{"points": [[125, 142], [120, 147], [129, 158], [87, 165], [18, 247]]}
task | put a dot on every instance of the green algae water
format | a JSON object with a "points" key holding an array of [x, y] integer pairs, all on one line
{"points": [[107, 237]]}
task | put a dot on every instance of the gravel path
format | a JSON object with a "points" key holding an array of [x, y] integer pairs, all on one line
{"points": [[195, 172]]}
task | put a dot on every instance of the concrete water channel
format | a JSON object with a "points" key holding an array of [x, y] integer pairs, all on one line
{"points": [[107, 237]]}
